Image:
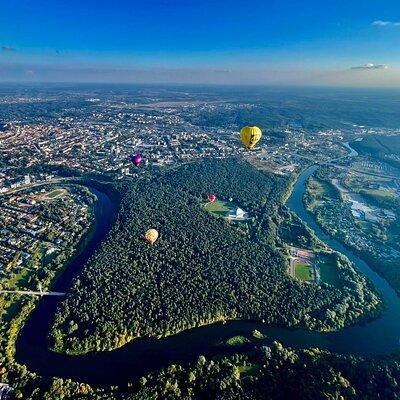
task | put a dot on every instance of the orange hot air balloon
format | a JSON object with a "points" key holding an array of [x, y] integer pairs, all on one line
{"points": [[212, 198], [151, 236]]}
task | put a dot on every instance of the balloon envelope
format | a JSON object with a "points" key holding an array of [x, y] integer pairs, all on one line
{"points": [[250, 135], [212, 198], [151, 236], [137, 159]]}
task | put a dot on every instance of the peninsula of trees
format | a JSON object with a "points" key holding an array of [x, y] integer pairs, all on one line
{"points": [[202, 269]]}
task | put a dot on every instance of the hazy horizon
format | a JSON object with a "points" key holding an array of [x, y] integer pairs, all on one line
{"points": [[269, 43]]}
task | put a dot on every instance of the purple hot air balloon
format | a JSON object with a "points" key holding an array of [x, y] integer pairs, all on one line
{"points": [[137, 159]]}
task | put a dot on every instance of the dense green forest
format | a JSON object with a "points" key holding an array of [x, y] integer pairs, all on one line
{"points": [[275, 372], [267, 372], [202, 268]]}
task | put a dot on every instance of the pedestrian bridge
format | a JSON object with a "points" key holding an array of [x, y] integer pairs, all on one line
{"points": [[32, 293]]}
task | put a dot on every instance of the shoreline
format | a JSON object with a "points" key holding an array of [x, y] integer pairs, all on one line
{"points": [[26, 306]]}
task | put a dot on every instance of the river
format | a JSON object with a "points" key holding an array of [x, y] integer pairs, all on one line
{"points": [[148, 354]]}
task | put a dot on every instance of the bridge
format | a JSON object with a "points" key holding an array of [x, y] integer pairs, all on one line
{"points": [[33, 292]]}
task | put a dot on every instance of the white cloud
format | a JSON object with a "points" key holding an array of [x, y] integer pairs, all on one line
{"points": [[385, 23], [371, 66]]}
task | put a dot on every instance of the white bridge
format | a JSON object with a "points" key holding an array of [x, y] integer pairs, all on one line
{"points": [[33, 292]]}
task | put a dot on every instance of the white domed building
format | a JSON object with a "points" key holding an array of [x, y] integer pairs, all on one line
{"points": [[237, 214]]}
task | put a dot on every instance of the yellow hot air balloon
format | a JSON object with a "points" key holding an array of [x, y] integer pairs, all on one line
{"points": [[151, 236], [250, 135]]}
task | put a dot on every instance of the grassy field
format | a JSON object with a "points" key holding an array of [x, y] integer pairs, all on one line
{"points": [[220, 208], [328, 269], [303, 272], [51, 195], [237, 340], [55, 193]]}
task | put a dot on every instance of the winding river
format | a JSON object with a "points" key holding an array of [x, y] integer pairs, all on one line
{"points": [[147, 354]]}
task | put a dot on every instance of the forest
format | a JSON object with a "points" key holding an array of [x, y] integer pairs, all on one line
{"points": [[384, 148], [275, 372], [202, 269]]}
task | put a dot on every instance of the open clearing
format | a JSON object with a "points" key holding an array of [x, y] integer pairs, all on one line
{"points": [[303, 272], [220, 208], [328, 269], [302, 265], [53, 194], [229, 210]]}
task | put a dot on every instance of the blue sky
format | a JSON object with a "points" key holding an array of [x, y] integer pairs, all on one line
{"points": [[223, 41]]}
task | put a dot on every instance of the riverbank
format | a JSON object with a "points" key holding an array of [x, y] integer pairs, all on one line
{"points": [[362, 229], [20, 310]]}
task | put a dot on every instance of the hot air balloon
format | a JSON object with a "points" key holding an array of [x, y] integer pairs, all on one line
{"points": [[151, 236], [137, 159], [212, 198], [250, 135]]}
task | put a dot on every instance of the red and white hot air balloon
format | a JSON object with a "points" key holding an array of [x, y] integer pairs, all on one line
{"points": [[212, 198]]}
